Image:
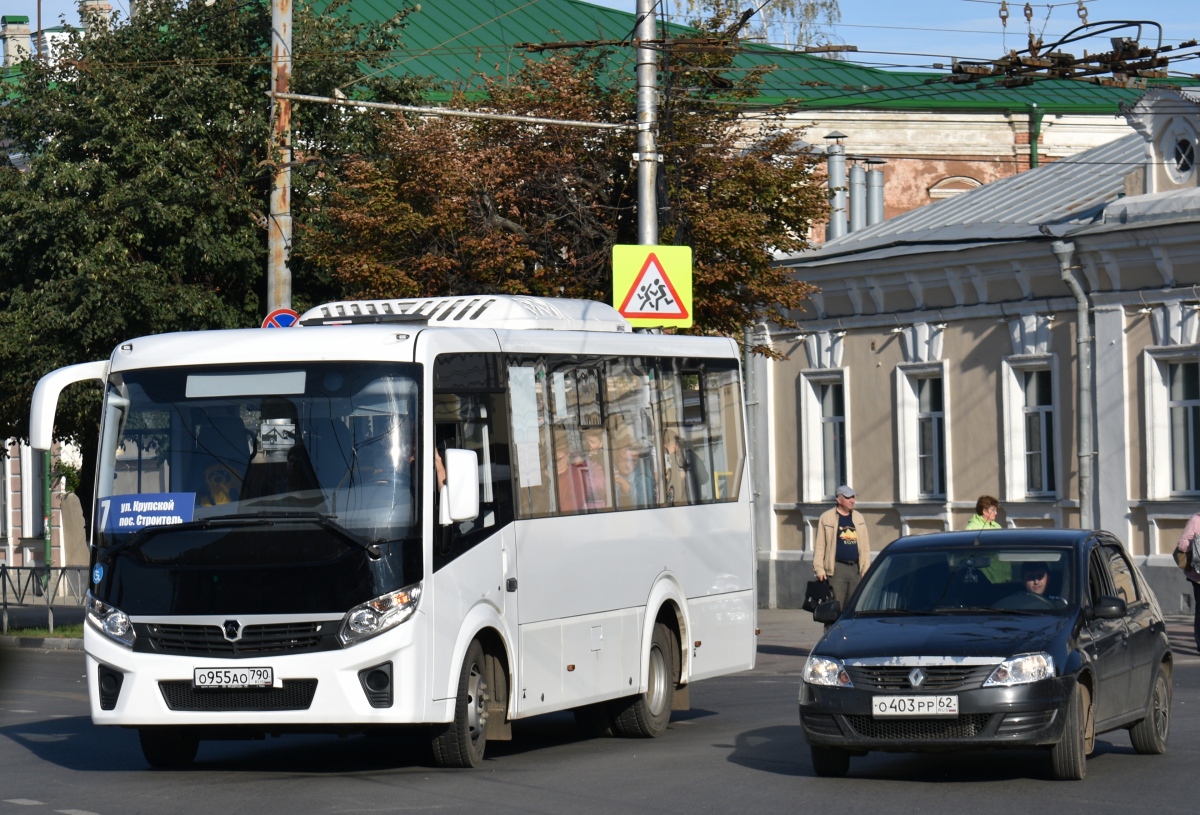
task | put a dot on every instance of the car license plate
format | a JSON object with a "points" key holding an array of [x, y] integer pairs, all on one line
{"points": [[914, 706], [233, 677]]}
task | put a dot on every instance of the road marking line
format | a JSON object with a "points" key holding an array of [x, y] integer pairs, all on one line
{"points": [[25, 802], [74, 812]]}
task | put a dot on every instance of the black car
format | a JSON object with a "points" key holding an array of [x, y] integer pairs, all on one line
{"points": [[1002, 638]]}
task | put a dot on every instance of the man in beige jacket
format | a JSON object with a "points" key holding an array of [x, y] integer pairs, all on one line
{"points": [[843, 549]]}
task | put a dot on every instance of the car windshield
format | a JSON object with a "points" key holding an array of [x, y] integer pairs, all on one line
{"points": [[330, 442], [981, 580]]}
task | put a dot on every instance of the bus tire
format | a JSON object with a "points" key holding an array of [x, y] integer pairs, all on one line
{"points": [[594, 721], [461, 742], [646, 715], [168, 748]]}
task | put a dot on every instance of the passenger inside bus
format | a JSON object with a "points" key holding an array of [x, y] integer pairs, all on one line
{"points": [[683, 472], [632, 478], [595, 487], [570, 474]]}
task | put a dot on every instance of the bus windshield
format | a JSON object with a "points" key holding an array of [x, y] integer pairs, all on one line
{"points": [[332, 442]]}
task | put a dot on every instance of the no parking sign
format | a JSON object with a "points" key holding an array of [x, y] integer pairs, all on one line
{"points": [[281, 318]]}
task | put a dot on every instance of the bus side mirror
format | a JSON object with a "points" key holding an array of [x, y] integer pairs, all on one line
{"points": [[460, 494]]}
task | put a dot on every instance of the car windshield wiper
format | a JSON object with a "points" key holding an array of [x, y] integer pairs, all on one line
{"points": [[261, 518], [985, 610], [892, 612]]}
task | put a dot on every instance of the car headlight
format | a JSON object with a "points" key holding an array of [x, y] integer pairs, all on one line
{"points": [[109, 620], [826, 671], [378, 615], [1022, 670]]}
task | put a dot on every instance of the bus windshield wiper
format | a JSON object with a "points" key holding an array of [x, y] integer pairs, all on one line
{"points": [[261, 518], [324, 520]]}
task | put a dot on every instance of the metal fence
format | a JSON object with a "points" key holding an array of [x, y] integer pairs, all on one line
{"points": [[35, 585]]}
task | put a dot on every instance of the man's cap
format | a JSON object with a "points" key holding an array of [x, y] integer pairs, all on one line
{"points": [[845, 491]]}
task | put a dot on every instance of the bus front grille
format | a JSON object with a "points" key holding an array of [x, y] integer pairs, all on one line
{"points": [[296, 694], [207, 640]]}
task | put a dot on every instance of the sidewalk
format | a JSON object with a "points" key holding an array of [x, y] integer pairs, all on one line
{"points": [[35, 615]]}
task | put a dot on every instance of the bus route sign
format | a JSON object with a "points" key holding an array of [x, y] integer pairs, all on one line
{"points": [[652, 285]]}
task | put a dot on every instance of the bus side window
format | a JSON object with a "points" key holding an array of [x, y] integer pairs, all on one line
{"points": [[470, 412]]}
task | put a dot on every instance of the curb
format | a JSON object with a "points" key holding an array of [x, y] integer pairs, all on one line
{"points": [[43, 643]]}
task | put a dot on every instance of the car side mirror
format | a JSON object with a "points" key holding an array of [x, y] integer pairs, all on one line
{"points": [[827, 612], [460, 493], [1109, 608]]}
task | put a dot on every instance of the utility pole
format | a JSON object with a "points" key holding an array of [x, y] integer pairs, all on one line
{"points": [[647, 122], [279, 222]]}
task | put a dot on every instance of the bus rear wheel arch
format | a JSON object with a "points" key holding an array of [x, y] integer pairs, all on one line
{"points": [[646, 715]]}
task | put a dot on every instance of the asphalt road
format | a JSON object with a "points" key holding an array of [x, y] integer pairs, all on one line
{"points": [[738, 750]]}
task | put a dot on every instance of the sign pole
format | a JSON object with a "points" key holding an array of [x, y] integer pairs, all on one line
{"points": [[647, 121], [279, 224]]}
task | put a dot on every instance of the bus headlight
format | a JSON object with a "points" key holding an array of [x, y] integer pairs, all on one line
{"points": [[378, 615], [109, 620]]}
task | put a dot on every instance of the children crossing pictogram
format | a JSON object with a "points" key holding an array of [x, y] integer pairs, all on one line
{"points": [[657, 290], [653, 295]]}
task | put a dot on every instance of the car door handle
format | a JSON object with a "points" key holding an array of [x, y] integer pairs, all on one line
{"points": [[511, 584]]}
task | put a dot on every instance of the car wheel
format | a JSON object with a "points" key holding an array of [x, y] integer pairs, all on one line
{"points": [[830, 762], [646, 715], [1068, 758], [168, 748], [461, 743], [1149, 736], [594, 721]]}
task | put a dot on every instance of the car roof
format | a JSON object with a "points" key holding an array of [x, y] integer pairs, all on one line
{"points": [[1031, 538]]}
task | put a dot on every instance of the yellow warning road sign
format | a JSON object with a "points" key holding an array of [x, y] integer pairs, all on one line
{"points": [[652, 285]]}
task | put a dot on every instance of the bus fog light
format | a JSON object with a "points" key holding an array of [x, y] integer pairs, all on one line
{"points": [[380, 614]]}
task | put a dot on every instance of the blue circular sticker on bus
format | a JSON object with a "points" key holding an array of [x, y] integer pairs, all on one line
{"points": [[97, 573]]}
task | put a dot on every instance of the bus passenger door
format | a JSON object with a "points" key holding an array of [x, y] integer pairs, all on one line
{"points": [[470, 560]]}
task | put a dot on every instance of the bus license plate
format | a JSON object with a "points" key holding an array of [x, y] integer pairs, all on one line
{"points": [[233, 677], [914, 706]]}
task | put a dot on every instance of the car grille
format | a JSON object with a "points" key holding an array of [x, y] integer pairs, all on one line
{"points": [[938, 678], [296, 694], [964, 727], [207, 640]]}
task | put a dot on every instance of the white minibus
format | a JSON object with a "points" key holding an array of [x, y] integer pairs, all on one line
{"points": [[454, 512]]}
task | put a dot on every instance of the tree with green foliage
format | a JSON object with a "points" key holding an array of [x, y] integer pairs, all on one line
{"points": [[134, 197], [462, 206]]}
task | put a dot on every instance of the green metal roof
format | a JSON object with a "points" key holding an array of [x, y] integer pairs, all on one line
{"points": [[453, 40]]}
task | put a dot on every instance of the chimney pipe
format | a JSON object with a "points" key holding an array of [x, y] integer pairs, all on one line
{"points": [[94, 11], [858, 198], [837, 184], [14, 32], [875, 191]]}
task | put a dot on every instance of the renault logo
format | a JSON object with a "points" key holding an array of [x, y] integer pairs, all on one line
{"points": [[232, 630], [915, 677]]}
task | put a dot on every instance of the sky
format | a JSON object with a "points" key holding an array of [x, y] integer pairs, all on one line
{"points": [[916, 33]]}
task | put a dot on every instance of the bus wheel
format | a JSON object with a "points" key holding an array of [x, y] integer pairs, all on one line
{"points": [[168, 748], [594, 721], [461, 742], [646, 715]]}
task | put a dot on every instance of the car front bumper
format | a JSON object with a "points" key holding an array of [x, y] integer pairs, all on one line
{"points": [[1020, 716]]}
